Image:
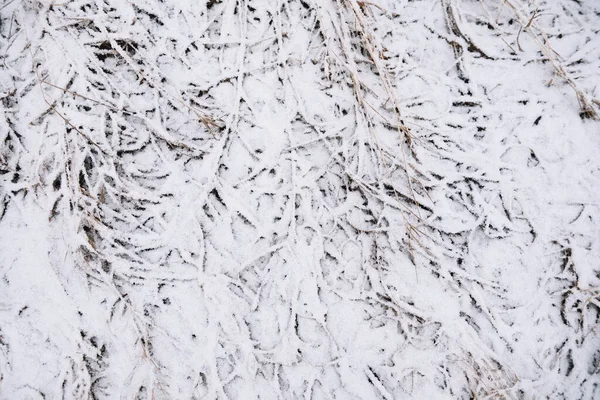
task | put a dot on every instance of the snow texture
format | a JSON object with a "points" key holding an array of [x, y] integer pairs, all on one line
{"points": [[299, 199]]}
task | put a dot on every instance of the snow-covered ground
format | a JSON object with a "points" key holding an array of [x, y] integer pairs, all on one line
{"points": [[299, 199]]}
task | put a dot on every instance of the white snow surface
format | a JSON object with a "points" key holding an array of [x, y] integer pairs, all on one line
{"points": [[299, 199]]}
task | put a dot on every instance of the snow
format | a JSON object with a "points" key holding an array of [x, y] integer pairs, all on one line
{"points": [[330, 199]]}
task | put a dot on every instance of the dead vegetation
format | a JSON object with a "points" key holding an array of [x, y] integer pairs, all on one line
{"points": [[229, 177]]}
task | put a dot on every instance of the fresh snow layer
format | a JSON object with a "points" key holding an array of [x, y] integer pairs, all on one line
{"points": [[299, 199]]}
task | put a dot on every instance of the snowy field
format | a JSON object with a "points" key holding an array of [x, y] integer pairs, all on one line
{"points": [[299, 199]]}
